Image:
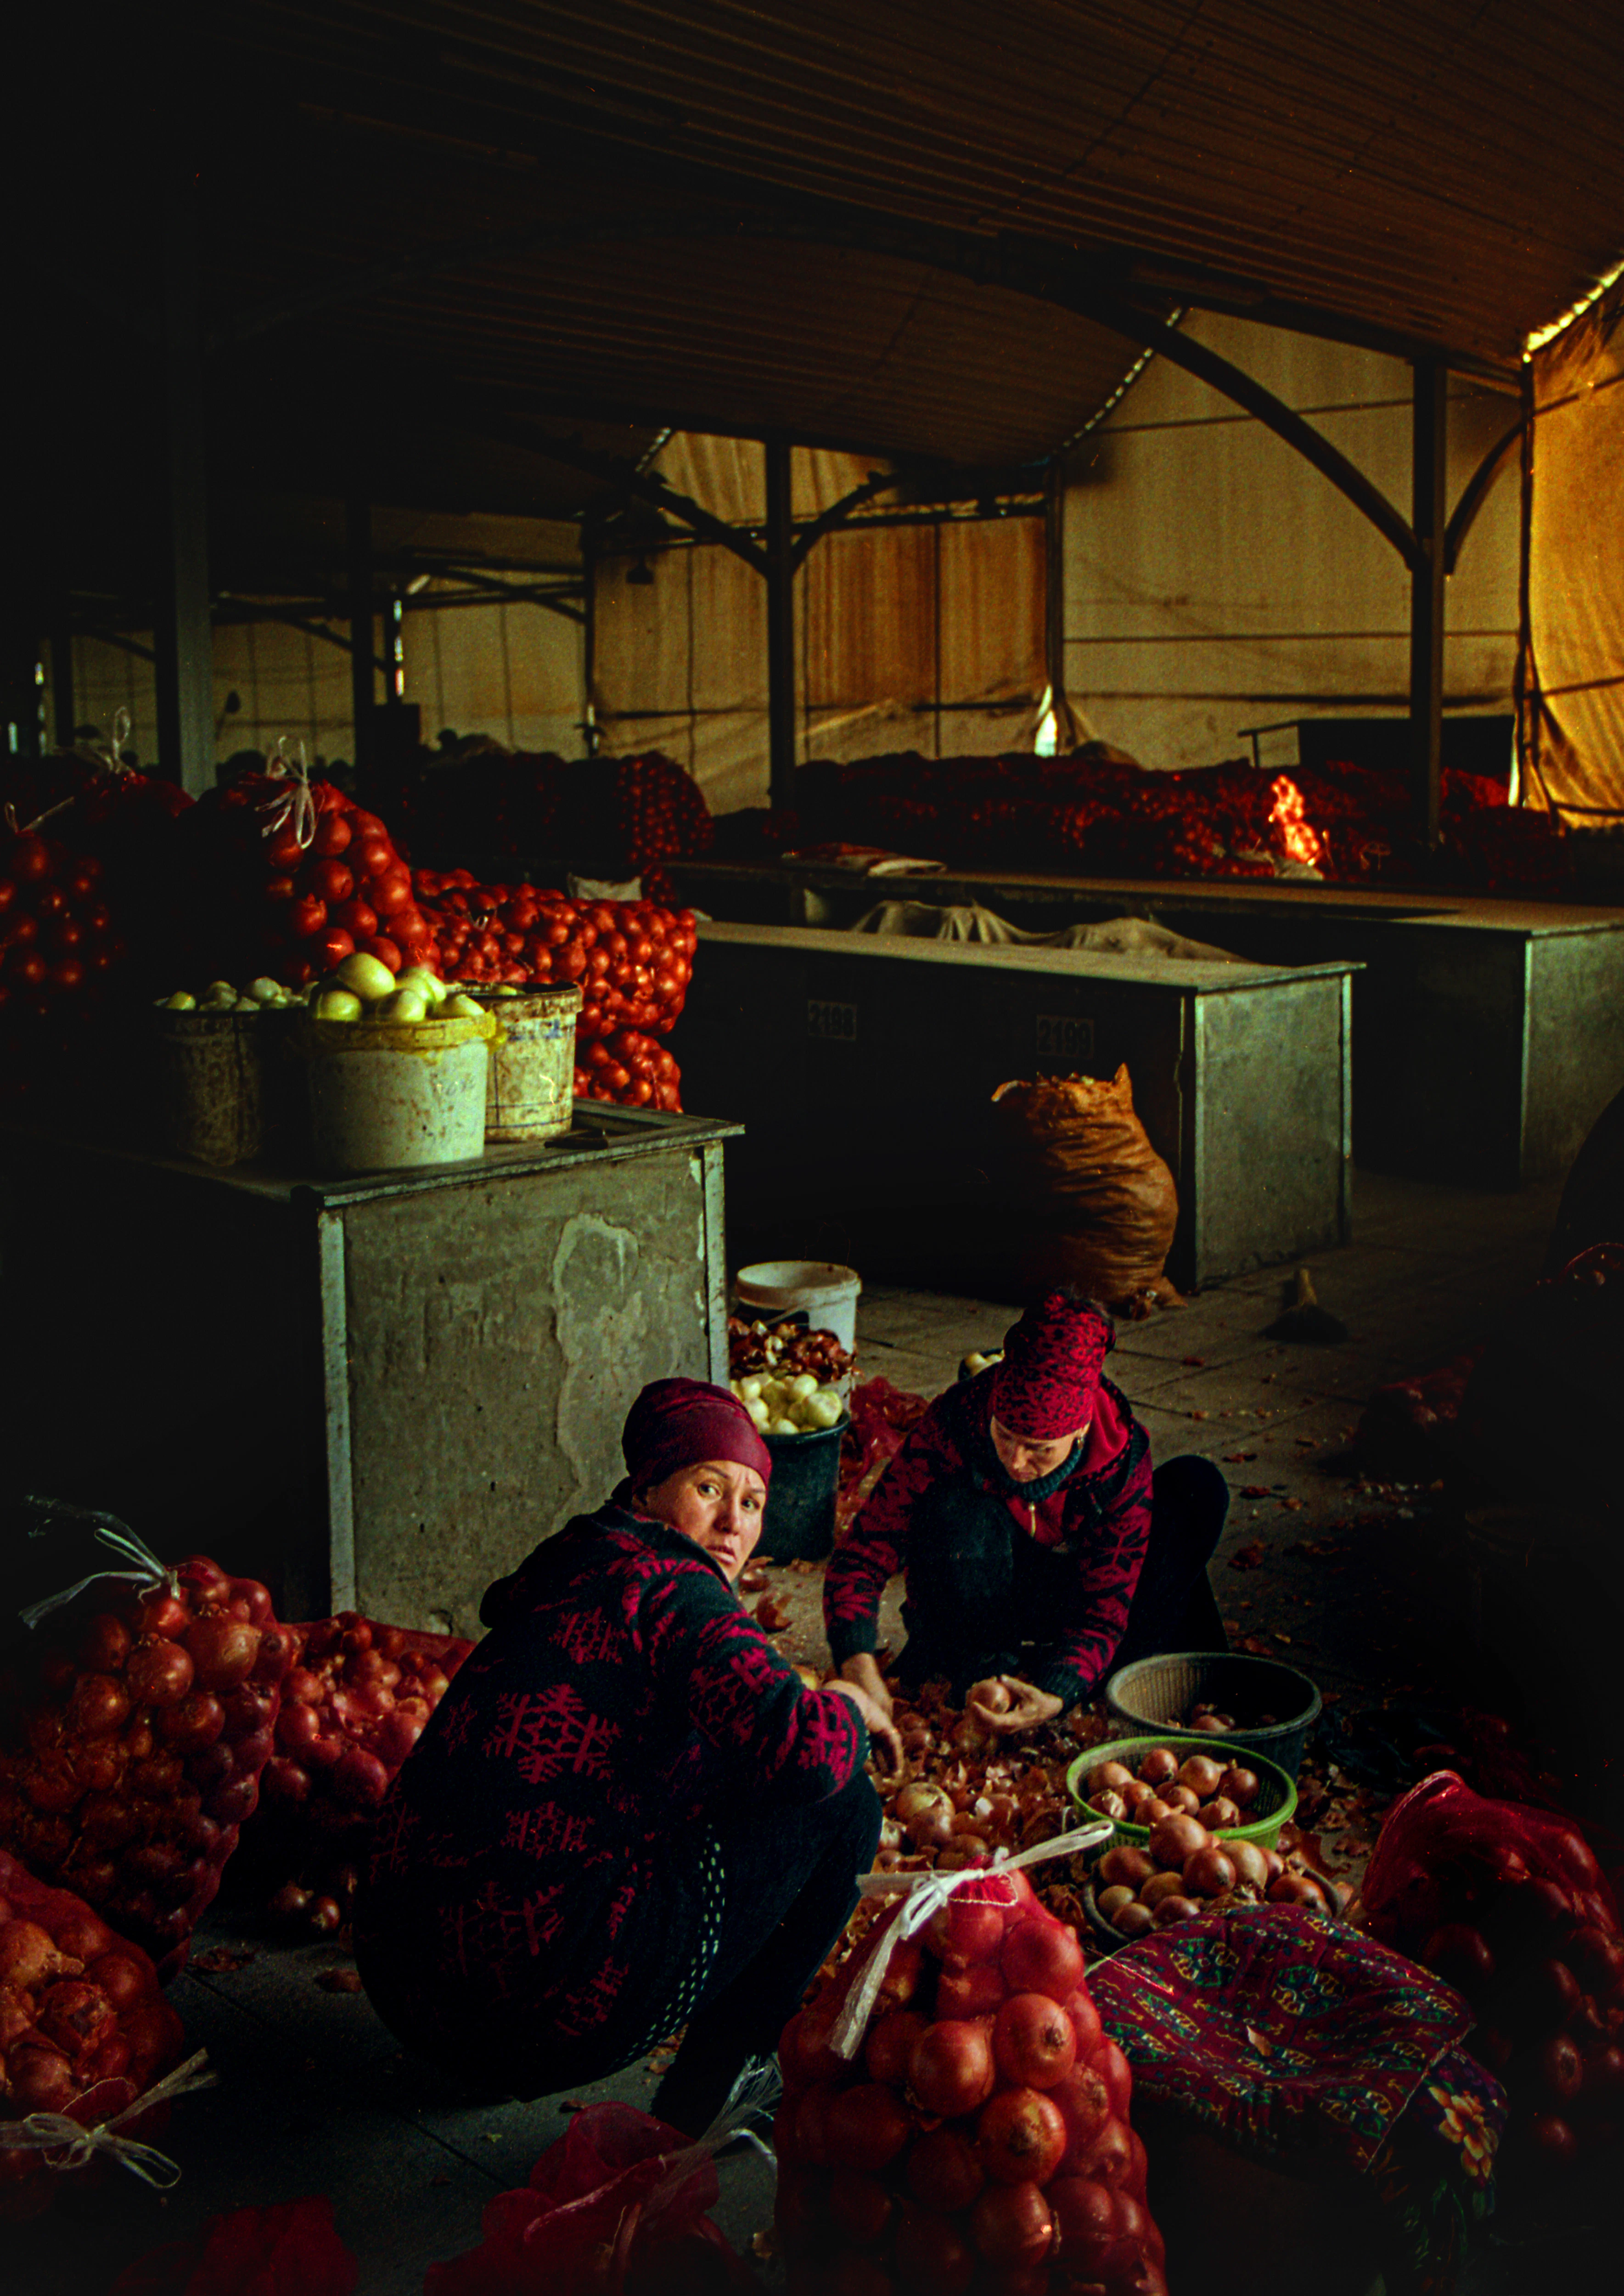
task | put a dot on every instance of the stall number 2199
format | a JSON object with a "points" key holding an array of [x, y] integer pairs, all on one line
{"points": [[1064, 1037]]}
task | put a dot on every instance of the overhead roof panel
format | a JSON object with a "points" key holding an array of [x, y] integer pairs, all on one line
{"points": [[1446, 170]]}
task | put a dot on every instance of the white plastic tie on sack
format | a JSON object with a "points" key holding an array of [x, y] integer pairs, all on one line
{"points": [[927, 1893], [148, 1574], [295, 806], [66, 2144]]}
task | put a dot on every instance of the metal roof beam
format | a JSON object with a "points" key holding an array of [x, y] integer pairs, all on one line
{"points": [[1475, 494]]}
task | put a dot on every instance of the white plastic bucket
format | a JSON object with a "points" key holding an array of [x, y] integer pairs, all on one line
{"points": [[780, 1287], [384, 1095], [531, 1094]]}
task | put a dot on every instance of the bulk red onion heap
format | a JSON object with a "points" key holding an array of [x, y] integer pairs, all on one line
{"points": [[353, 1707]]}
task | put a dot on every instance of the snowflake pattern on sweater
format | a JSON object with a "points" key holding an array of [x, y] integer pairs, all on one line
{"points": [[622, 1700], [1097, 1518]]}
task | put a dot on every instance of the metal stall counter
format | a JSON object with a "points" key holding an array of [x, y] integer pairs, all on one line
{"points": [[1488, 1029], [865, 1064], [376, 1392]]}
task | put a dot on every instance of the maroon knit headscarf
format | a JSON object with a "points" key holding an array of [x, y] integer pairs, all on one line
{"points": [[1045, 1386], [681, 1422]]}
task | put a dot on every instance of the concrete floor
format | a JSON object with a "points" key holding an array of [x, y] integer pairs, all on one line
{"points": [[315, 2096]]}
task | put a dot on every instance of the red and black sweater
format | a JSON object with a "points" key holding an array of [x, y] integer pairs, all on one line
{"points": [[622, 1700], [1095, 1515]]}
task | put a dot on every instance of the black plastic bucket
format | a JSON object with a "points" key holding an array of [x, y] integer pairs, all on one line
{"points": [[800, 1524]]}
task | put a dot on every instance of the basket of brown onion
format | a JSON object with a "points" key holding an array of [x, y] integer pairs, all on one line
{"points": [[1197, 1824]]}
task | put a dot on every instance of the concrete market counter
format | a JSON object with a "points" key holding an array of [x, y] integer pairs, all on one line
{"points": [[862, 1068], [1487, 1033], [376, 1392]]}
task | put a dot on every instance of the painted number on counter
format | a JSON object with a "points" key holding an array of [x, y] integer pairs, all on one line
{"points": [[1064, 1037], [837, 1021]]}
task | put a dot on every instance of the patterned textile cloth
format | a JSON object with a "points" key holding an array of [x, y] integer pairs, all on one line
{"points": [[544, 1868], [1045, 1386], [1094, 1516], [1307, 2045]]}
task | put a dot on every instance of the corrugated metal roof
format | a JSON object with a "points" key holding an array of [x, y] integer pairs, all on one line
{"points": [[443, 226], [1449, 169]]}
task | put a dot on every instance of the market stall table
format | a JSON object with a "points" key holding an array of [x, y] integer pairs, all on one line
{"points": [[388, 1387], [1488, 1032], [865, 1066]]}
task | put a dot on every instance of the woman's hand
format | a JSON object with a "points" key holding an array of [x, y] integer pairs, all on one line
{"points": [[864, 1669], [885, 1740], [1005, 1704]]}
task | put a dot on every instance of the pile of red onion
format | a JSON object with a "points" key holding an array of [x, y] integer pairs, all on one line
{"points": [[353, 1707]]}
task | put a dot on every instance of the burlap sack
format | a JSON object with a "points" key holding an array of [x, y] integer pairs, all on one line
{"points": [[1096, 1204]]}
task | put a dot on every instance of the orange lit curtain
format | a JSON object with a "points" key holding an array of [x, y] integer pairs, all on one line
{"points": [[1570, 659]]}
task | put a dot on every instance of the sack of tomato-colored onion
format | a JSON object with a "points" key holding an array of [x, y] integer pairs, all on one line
{"points": [[980, 2135], [290, 876], [631, 1069], [132, 1742], [1508, 1904], [353, 1706], [632, 959], [84, 2029], [59, 948]]}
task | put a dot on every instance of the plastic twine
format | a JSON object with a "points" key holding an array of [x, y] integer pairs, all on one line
{"points": [[295, 806], [927, 1893], [149, 1571], [65, 2144]]}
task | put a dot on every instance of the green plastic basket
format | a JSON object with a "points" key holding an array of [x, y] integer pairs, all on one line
{"points": [[1276, 1794]]}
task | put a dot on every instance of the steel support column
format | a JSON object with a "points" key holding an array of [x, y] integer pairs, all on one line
{"points": [[1427, 576], [183, 640], [363, 681], [780, 626]]}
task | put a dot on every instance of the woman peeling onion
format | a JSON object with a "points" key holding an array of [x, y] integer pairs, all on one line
{"points": [[628, 1810], [1039, 1548]]}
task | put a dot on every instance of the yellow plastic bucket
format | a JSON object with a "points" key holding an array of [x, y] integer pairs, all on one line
{"points": [[391, 1095], [531, 1092]]}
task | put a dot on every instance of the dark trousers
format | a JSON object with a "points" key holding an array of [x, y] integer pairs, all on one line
{"points": [[985, 1598], [791, 1882], [735, 1964]]}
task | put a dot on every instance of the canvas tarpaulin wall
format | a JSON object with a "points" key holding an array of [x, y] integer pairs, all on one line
{"points": [[1570, 666], [927, 637]]}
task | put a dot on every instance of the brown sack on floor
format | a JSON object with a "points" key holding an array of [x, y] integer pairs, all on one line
{"points": [[1096, 1203]]}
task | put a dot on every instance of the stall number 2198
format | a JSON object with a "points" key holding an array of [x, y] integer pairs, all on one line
{"points": [[838, 1022]]}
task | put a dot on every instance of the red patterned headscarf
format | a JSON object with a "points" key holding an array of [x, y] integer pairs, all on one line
{"points": [[681, 1422], [1045, 1387]]}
